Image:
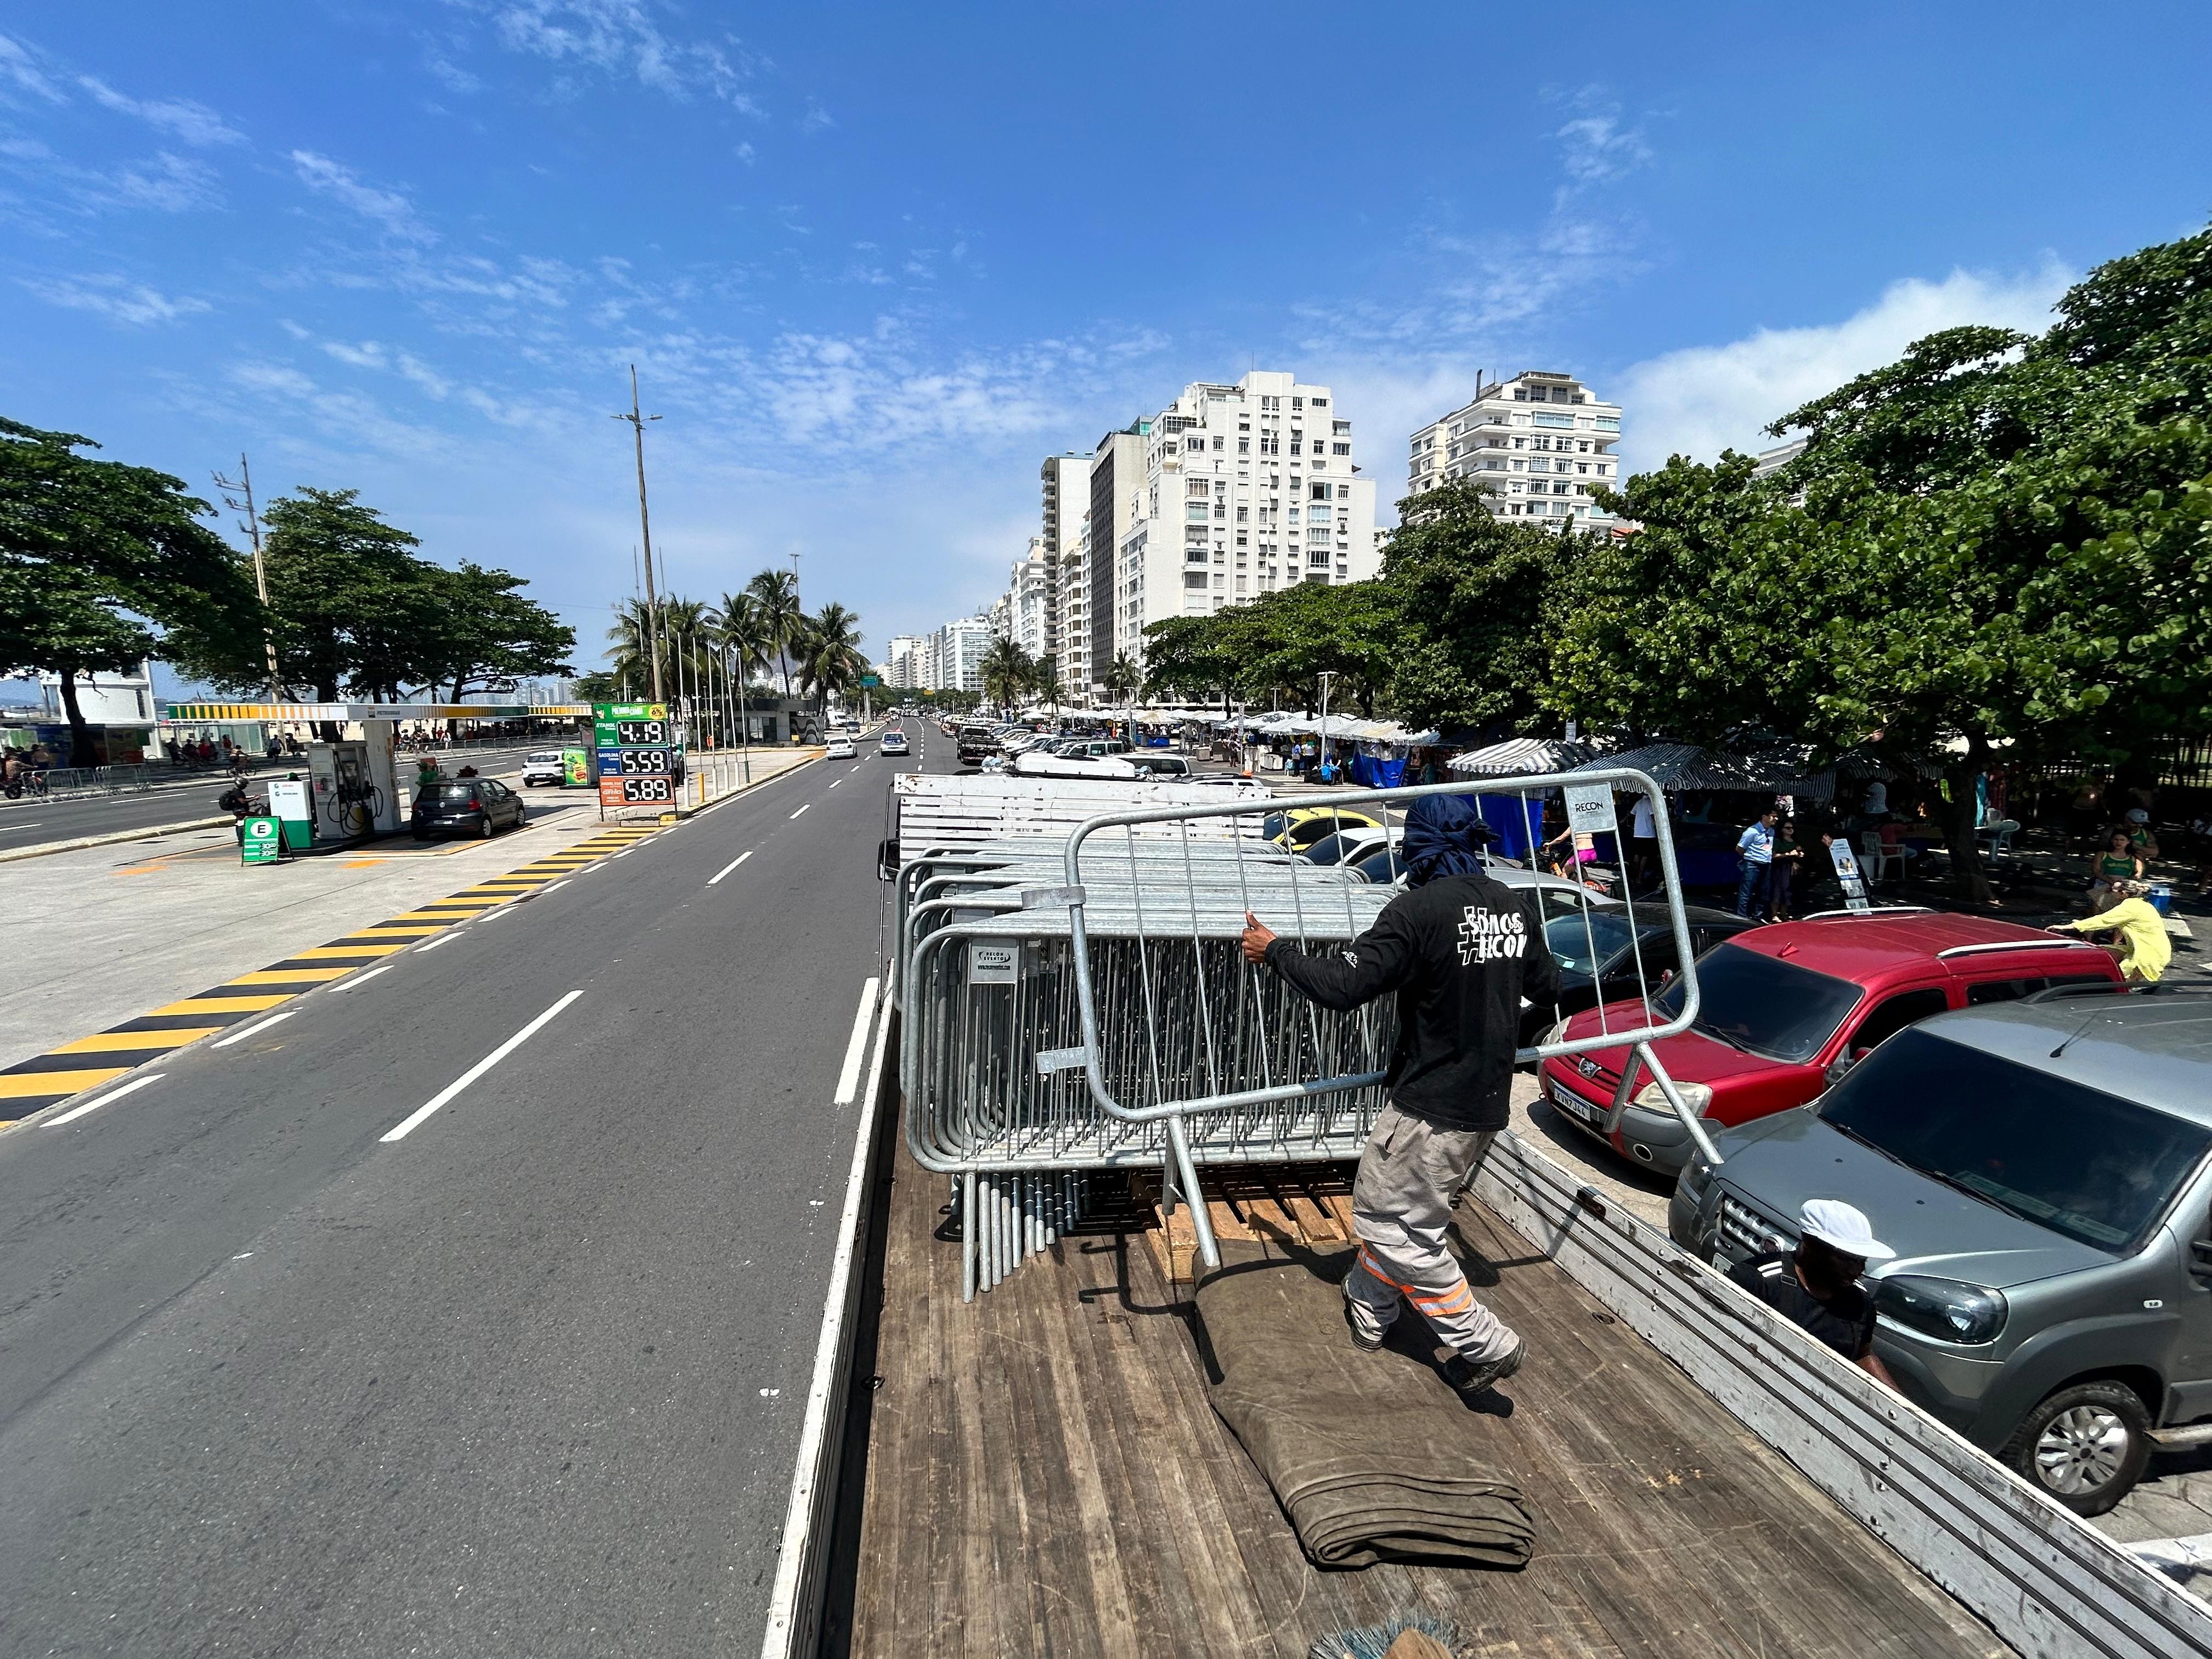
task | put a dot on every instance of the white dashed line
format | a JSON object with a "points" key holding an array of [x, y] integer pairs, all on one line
{"points": [[131, 1087], [415, 1117], [363, 979], [259, 1025], [726, 868], [848, 1079], [802, 809]]}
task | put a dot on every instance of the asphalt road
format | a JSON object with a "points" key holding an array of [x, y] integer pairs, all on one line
{"points": [[31, 822], [527, 1381]]}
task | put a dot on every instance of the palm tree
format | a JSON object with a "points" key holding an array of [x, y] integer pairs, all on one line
{"points": [[829, 647], [631, 660], [1006, 671], [739, 631], [1122, 678], [1044, 680], [776, 593]]}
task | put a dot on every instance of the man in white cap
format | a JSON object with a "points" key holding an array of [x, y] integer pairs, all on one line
{"points": [[1816, 1288]]}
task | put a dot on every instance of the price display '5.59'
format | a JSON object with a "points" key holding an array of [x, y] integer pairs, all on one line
{"points": [[646, 762]]}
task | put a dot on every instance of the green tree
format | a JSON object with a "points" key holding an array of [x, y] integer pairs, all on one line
{"points": [[1006, 671], [744, 639], [1194, 657], [1044, 681], [1468, 638], [827, 645], [776, 594], [1995, 544], [1123, 678], [103, 564]]}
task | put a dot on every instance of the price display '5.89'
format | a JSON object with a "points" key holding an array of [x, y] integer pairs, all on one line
{"points": [[643, 791]]}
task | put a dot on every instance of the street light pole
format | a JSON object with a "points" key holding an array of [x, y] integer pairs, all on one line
{"points": [[645, 530], [1327, 675], [252, 528]]}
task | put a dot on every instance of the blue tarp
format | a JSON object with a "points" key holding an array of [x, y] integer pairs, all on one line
{"points": [[1369, 773]]}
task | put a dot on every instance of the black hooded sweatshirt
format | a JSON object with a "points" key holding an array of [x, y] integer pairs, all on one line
{"points": [[1460, 951]]}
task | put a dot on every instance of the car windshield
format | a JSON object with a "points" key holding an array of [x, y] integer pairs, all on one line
{"points": [[1380, 868], [2094, 1167], [1582, 948], [1332, 849], [450, 794], [1772, 1008]]}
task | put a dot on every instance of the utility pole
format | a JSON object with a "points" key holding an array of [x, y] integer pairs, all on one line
{"points": [[644, 530], [252, 527]]}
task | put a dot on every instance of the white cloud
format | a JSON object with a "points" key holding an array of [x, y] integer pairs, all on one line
{"points": [[18, 70], [745, 154], [193, 123], [117, 299], [620, 37], [1700, 400], [1597, 148], [387, 208], [817, 119]]}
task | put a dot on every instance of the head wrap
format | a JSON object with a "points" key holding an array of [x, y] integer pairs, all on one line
{"points": [[1443, 837]]}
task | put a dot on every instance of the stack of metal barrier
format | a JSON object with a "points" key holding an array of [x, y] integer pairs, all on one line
{"points": [[1080, 1001]]}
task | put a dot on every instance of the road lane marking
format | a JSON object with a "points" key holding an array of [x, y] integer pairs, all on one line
{"points": [[497, 915], [421, 1112], [131, 1087], [731, 865], [240, 1005], [113, 1043], [834, 782], [802, 809], [258, 1025], [557, 886], [363, 979], [588, 868], [848, 1079], [446, 939]]}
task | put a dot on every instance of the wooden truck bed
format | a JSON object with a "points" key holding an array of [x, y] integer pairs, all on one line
{"points": [[1044, 1475]]}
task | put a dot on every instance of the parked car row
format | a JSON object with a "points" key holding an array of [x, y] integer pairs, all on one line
{"points": [[2033, 1142]]}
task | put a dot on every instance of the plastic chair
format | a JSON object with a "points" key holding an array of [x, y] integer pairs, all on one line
{"points": [[1874, 855]]}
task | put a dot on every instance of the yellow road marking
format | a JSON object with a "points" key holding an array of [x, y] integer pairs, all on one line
{"points": [[241, 1005], [286, 975], [382, 931], [108, 1043], [341, 952], [22, 1084]]}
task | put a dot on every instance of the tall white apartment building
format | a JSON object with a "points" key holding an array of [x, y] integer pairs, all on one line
{"points": [[957, 654], [1540, 442], [1027, 601], [1246, 488], [1065, 481], [908, 657]]}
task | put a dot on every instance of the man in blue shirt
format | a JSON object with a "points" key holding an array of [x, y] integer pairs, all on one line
{"points": [[1755, 846]]}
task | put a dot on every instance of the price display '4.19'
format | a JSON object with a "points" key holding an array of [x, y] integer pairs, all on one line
{"points": [[641, 734]]}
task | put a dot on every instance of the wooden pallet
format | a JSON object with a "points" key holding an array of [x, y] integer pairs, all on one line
{"points": [[1306, 1205]]}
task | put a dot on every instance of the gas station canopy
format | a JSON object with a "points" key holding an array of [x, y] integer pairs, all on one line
{"points": [[293, 714]]}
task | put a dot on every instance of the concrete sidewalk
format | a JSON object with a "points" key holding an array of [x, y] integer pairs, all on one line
{"points": [[101, 935]]}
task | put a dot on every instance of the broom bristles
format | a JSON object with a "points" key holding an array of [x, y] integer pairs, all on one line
{"points": [[1374, 1641]]}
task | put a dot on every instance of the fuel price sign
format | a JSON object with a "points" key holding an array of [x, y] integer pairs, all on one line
{"points": [[640, 754]]}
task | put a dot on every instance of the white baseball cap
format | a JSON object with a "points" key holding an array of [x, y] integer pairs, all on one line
{"points": [[1841, 1227]]}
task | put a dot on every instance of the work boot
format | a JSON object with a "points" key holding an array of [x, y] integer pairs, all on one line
{"points": [[1360, 1339], [1471, 1379]]}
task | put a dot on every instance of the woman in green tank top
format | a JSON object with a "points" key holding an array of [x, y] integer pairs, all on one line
{"points": [[2117, 863]]}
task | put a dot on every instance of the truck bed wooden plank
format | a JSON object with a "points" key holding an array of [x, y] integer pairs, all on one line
{"points": [[1101, 1507]]}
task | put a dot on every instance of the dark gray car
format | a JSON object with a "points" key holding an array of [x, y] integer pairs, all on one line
{"points": [[2041, 1169]]}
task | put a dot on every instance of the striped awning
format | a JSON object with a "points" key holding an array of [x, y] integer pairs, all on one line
{"points": [[1521, 757], [293, 714]]}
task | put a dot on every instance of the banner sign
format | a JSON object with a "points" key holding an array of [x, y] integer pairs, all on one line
{"points": [[1847, 875]]}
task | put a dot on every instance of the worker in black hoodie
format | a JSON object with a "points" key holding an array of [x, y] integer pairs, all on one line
{"points": [[1460, 951]]}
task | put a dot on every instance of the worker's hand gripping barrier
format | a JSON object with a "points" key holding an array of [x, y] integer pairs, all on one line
{"points": [[1179, 1173]]}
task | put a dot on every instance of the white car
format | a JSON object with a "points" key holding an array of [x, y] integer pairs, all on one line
{"points": [[841, 747], [893, 742], [541, 766]]}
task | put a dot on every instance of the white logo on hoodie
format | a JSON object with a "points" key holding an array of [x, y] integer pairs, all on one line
{"points": [[1485, 935]]}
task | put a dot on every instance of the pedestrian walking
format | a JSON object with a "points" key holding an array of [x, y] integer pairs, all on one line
{"points": [[1816, 1286], [1643, 845], [1462, 952], [1755, 848]]}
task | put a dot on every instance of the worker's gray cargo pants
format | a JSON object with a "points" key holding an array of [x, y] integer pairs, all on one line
{"points": [[1400, 1206]]}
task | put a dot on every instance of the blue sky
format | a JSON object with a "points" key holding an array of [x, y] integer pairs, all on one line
{"points": [[874, 263]]}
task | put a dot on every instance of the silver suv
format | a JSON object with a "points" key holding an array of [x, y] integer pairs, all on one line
{"points": [[2043, 1170]]}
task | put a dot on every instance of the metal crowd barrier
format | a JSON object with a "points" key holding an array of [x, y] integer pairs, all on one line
{"points": [[1082, 1002]]}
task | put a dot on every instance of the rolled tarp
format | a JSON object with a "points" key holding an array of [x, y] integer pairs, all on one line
{"points": [[1374, 1457]]}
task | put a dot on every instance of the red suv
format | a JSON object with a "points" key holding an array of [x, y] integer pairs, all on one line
{"points": [[1785, 1011]]}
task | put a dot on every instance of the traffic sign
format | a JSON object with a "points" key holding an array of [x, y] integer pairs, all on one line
{"points": [[260, 841]]}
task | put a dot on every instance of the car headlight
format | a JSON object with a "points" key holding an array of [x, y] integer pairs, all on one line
{"points": [[1945, 1308], [1697, 1176], [1695, 1096]]}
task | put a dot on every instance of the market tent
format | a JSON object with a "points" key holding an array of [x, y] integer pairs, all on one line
{"points": [[1522, 757], [1686, 766]]}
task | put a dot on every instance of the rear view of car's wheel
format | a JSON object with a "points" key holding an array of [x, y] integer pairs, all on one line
{"points": [[2086, 1445]]}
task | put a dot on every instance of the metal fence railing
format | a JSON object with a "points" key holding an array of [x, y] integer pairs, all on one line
{"points": [[1082, 1002]]}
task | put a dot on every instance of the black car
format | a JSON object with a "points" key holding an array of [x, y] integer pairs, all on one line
{"points": [[466, 806], [1599, 952]]}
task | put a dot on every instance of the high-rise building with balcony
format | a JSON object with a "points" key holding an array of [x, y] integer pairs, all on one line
{"points": [[1065, 481], [1539, 443], [1230, 492]]}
